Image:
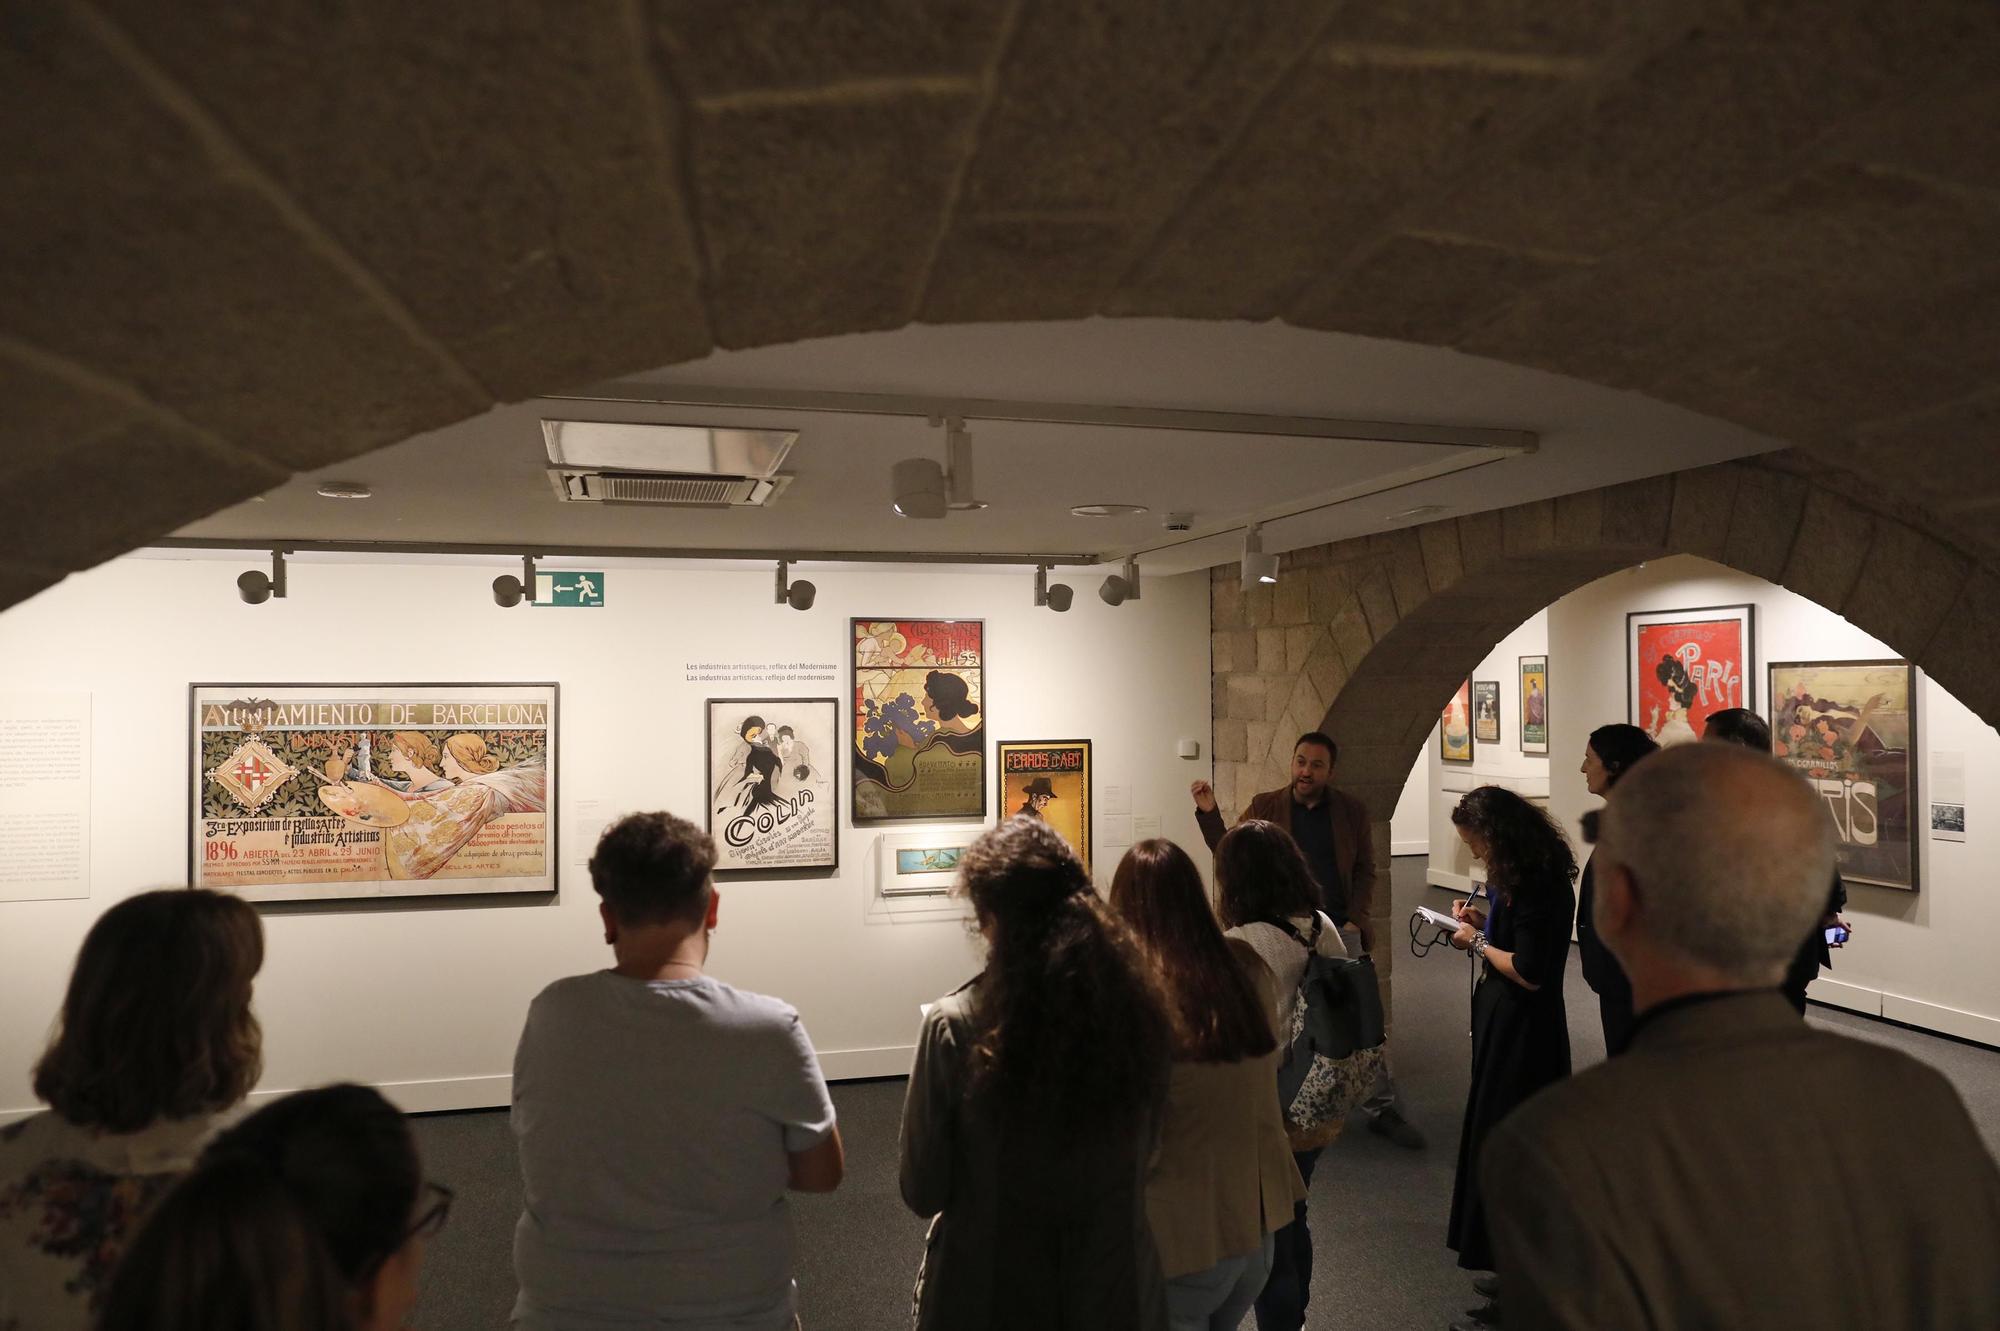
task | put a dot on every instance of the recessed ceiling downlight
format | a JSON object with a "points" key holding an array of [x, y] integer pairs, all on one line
{"points": [[1105, 510], [346, 490]]}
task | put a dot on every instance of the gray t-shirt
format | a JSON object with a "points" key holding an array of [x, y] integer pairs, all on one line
{"points": [[654, 1120]]}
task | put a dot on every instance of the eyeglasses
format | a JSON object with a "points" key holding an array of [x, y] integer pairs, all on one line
{"points": [[431, 1219]]}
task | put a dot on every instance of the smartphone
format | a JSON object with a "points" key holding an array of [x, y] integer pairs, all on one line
{"points": [[1836, 935]]}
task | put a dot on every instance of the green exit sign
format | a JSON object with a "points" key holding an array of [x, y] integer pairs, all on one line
{"points": [[566, 588]]}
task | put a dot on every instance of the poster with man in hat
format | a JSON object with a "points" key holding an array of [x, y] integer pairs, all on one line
{"points": [[1050, 780]]}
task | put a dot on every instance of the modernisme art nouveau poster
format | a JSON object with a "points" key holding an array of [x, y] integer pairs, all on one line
{"points": [[1849, 728], [1049, 779], [919, 718], [319, 792], [773, 800]]}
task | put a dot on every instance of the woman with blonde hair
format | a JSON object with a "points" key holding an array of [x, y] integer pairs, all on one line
{"points": [[1223, 1181], [156, 1040]]}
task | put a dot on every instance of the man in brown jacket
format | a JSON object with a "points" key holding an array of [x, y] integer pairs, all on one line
{"points": [[1332, 832], [1736, 1167]]}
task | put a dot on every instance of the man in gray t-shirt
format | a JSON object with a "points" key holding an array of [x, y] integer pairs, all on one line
{"points": [[662, 1116]]}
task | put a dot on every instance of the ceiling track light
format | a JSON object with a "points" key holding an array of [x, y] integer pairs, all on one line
{"points": [[509, 590], [923, 488], [1055, 596], [1122, 586], [797, 594], [256, 586], [1258, 567]]}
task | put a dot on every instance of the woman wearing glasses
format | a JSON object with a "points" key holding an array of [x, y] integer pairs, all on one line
{"points": [[310, 1215]]}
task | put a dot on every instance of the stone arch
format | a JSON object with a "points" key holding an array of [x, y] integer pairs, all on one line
{"points": [[243, 249], [1368, 638]]}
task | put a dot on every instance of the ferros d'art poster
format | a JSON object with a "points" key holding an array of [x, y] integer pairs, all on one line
{"points": [[1534, 704], [1685, 665], [323, 792], [774, 799], [919, 718], [1050, 780], [1849, 728]]}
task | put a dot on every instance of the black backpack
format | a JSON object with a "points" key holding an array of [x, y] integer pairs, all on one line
{"points": [[1332, 1055]]}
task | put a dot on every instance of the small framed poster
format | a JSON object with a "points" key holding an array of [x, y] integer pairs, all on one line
{"points": [[773, 783], [919, 703], [921, 864], [1049, 779], [1455, 727], [1849, 728], [1486, 711], [1534, 704], [1947, 821], [1683, 665], [326, 792]]}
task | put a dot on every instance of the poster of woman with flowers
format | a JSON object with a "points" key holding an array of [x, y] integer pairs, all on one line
{"points": [[1849, 728]]}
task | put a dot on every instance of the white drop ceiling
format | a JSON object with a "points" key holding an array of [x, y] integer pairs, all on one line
{"points": [[484, 481]]}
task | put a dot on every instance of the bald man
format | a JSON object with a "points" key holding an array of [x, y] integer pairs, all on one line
{"points": [[1736, 1168]]}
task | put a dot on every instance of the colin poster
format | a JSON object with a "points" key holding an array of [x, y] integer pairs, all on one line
{"points": [[919, 718], [1534, 704], [1684, 665], [320, 792], [1849, 728], [1049, 779], [773, 800]]}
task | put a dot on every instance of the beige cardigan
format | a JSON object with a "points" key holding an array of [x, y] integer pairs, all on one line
{"points": [[1223, 1176]]}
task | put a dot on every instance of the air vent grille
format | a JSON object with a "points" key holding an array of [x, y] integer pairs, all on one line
{"points": [[662, 489]]}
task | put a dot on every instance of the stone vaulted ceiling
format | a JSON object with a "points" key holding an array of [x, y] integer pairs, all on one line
{"points": [[251, 238]]}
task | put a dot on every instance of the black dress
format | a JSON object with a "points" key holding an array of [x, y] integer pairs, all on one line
{"points": [[1601, 970], [1520, 1043]]}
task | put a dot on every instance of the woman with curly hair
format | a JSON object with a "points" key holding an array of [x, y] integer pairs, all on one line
{"points": [[1034, 1105], [156, 1041], [1520, 1030]]}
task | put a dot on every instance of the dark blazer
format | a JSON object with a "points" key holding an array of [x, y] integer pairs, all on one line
{"points": [[1738, 1168], [1353, 840]]}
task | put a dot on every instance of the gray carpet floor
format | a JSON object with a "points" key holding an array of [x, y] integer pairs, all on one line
{"points": [[1378, 1212]]}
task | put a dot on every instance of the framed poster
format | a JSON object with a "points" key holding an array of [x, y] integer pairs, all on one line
{"points": [[919, 718], [1049, 779], [1455, 727], [921, 864], [1849, 727], [1681, 665], [1534, 704], [774, 790], [320, 792], [1486, 711]]}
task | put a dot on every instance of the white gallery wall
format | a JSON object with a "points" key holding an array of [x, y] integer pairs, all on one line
{"points": [[425, 997], [1923, 957], [1501, 764]]}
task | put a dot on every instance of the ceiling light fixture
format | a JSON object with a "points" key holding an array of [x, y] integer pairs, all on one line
{"points": [[346, 490], [1420, 511], [1122, 586], [1056, 597], [798, 594], [509, 590], [1105, 510], [256, 586], [1258, 567], [924, 488]]}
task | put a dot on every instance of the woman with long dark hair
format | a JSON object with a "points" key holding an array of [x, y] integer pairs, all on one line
{"points": [[1520, 1031], [156, 1040], [1223, 1180], [310, 1215], [1034, 1105], [1609, 754], [1266, 897]]}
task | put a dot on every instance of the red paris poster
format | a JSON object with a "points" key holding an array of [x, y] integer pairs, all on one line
{"points": [[1685, 665]]}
